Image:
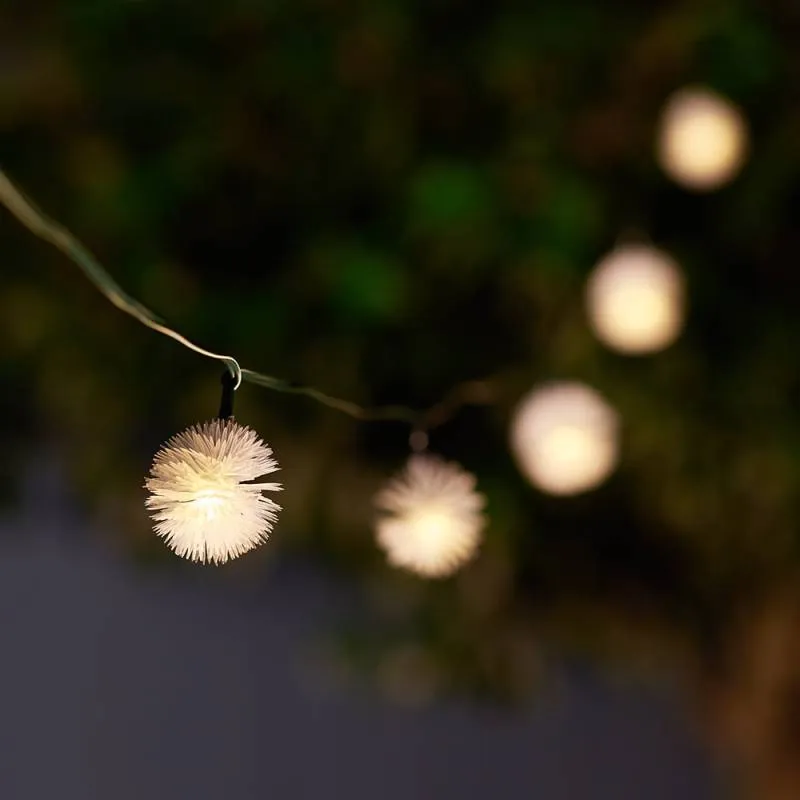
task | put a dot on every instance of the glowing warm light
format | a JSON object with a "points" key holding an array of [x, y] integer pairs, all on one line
{"points": [[564, 437], [702, 140], [431, 522], [202, 498], [635, 299], [209, 503]]}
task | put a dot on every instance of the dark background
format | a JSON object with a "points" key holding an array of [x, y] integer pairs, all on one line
{"points": [[121, 683], [383, 200]]}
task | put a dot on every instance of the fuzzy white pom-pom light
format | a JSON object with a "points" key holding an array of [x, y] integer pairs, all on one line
{"points": [[431, 522], [204, 497], [564, 436], [635, 299], [702, 141]]}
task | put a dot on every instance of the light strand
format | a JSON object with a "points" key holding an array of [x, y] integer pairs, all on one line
{"points": [[49, 230], [470, 392]]}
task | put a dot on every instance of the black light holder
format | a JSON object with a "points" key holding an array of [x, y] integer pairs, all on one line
{"points": [[228, 382]]}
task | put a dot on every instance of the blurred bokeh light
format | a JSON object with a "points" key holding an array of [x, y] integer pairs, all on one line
{"points": [[431, 519], [565, 438], [702, 139], [635, 299]]}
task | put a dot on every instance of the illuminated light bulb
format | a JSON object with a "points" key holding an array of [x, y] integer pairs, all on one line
{"points": [[565, 438], [635, 299], [203, 498], [431, 521], [702, 140], [209, 502]]}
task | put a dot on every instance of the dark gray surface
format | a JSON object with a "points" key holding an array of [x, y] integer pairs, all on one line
{"points": [[122, 684]]}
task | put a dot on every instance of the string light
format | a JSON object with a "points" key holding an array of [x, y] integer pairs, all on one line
{"points": [[635, 299], [702, 140], [203, 499], [208, 506], [50, 231], [564, 437], [430, 517]]}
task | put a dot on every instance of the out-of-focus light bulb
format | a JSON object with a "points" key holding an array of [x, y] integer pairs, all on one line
{"points": [[702, 139], [431, 521], [635, 299], [564, 436]]}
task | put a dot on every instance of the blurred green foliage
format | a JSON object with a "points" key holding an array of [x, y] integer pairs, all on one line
{"points": [[385, 199]]}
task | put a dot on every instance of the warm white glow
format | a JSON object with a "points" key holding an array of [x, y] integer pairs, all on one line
{"points": [[635, 299], [702, 140], [209, 502], [202, 506], [431, 521], [564, 437]]}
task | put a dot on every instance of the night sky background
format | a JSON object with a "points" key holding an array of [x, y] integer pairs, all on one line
{"points": [[384, 200]]}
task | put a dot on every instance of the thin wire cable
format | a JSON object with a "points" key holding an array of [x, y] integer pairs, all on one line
{"points": [[49, 230], [385, 413], [471, 392]]}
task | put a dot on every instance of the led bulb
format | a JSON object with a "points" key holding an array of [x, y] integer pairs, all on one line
{"points": [[564, 437], [702, 139], [430, 521], [204, 498], [635, 299]]}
